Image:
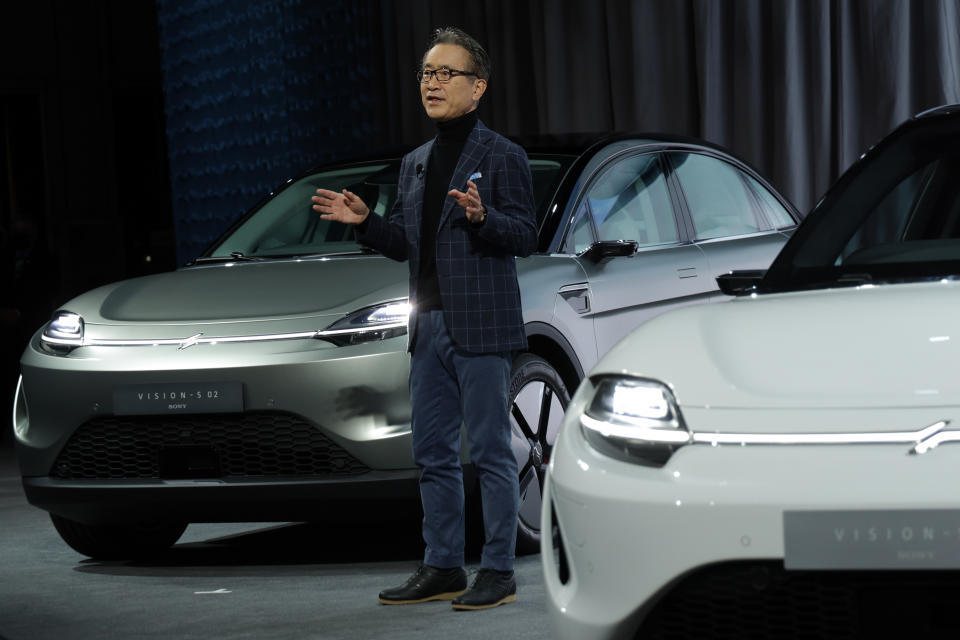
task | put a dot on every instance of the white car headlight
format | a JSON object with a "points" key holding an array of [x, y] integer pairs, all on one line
{"points": [[65, 330], [634, 419], [369, 324]]}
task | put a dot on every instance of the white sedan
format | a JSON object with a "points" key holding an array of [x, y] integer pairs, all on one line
{"points": [[785, 464]]}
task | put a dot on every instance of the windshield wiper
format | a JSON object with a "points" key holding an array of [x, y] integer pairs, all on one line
{"points": [[854, 278], [352, 252], [235, 256]]}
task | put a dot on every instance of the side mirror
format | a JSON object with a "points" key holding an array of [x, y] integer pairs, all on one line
{"points": [[740, 283], [608, 249]]}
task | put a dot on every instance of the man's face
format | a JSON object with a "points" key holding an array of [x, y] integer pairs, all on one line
{"points": [[448, 100]]}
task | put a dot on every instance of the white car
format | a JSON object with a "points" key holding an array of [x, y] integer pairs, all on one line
{"points": [[785, 464]]}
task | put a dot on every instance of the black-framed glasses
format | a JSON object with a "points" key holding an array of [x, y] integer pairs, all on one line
{"points": [[442, 74]]}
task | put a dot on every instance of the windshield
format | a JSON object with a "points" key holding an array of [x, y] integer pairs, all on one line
{"points": [[286, 225], [895, 217]]}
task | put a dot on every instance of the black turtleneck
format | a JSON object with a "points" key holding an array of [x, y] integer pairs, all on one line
{"points": [[447, 147]]}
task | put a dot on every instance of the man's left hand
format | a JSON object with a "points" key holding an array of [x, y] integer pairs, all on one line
{"points": [[471, 203]]}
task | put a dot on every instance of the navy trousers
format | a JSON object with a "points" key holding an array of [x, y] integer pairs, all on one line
{"points": [[449, 386]]}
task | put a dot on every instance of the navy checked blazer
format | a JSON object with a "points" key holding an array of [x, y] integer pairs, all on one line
{"points": [[476, 270]]}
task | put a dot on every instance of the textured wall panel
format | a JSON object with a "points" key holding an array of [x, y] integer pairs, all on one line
{"points": [[255, 92]]}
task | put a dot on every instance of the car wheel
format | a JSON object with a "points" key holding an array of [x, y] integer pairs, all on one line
{"points": [[118, 542], [538, 399]]}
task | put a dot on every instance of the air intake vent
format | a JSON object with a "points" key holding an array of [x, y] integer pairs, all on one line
{"points": [[214, 445], [747, 600]]}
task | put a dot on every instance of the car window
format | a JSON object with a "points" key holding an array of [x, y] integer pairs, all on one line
{"points": [[288, 225], [777, 215], [717, 195], [629, 200], [581, 233]]}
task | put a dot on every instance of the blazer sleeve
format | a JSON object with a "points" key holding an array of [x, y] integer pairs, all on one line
{"points": [[511, 217], [388, 236]]}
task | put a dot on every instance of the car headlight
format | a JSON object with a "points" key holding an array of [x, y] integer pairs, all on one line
{"points": [[64, 331], [634, 419], [369, 324]]}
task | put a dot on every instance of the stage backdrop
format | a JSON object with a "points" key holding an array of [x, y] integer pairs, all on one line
{"points": [[258, 90]]}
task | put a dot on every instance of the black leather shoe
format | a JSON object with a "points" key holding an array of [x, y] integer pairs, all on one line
{"points": [[428, 583], [490, 589]]}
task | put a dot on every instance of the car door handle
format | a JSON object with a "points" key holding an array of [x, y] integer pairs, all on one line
{"points": [[687, 272], [577, 296]]}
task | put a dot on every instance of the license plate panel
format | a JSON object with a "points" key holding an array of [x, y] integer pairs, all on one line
{"points": [[898, 539], [178, 397]]}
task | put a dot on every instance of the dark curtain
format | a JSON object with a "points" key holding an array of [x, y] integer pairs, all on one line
{"points": [[798, 88], [258, 90]]}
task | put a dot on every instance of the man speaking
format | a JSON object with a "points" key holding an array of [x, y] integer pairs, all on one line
{"points": [[464, 209]]}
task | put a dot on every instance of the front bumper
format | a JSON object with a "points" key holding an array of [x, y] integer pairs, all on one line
{"points": [[308, 403], [629, 533], [376, 493], [356, 396]]}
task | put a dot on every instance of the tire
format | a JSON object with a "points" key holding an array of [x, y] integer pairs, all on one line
{"points": [[118, 542], [538, 399]]}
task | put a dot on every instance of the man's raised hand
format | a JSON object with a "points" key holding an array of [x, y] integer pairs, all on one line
{"points": [[340, 207], [470, 201]]}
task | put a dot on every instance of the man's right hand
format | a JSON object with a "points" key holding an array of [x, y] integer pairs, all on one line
{"points": [[344, 207]]}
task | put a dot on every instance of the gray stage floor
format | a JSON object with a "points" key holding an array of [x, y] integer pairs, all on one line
{"points": [[233, 581]]}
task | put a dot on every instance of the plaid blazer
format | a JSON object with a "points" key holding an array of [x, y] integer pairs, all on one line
{"points": [[475, 265]]}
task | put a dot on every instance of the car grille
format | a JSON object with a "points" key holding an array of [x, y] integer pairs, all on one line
{"points": [[746, 600], [203, 446]]}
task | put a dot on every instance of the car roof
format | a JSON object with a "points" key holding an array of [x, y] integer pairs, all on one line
{"points": [[569, 143], [577, 143], [944, 109]]}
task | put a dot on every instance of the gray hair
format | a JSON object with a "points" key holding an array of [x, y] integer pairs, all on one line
{"points": [[459, 37]]}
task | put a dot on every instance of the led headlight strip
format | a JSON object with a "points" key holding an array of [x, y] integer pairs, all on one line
{"points": [[65, 328], [379, 322], [634, 419], [639, 419]]}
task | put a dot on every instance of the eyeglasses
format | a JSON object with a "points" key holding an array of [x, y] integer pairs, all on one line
{"points": [[442, 75]]}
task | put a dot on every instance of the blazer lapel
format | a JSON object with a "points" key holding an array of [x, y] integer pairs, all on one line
{"points": [[419, 182], [474, 150]]}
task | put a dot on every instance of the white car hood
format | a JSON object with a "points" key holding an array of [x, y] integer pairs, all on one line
{"points": [[893, 346]]}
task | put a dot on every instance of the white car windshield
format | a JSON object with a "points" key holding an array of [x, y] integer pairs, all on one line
{"points": [[894, 217]]}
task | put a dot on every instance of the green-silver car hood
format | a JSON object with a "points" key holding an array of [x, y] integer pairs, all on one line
{"points": [[315, 290]]}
